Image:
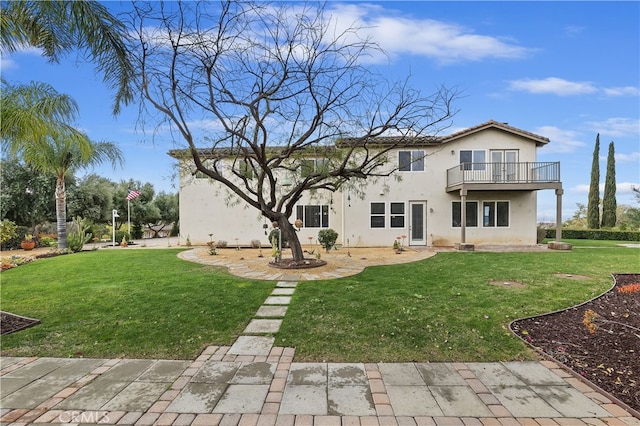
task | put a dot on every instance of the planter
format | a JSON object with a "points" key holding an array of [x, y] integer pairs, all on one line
{"points": [[27, 245]]}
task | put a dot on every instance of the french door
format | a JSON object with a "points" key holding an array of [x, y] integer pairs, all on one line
{"points": [[504, 166]]}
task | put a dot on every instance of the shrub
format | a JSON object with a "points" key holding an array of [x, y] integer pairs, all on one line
{"points": [[78, 236], [7, 230], [120, 235], [14, 242], [47, 240], [222, 244], [256, 244], [596, 234], [327, 238], [137, 232]]}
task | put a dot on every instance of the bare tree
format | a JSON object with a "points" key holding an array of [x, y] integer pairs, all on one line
{"points": [[277, 84]]}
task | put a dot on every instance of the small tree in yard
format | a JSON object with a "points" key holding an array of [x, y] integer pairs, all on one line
{"points": [[609, 199], [275, 84]]}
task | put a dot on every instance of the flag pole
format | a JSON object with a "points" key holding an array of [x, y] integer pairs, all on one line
{"points": [[129, 217]]}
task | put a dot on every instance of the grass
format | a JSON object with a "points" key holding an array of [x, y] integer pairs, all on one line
{"points": [[133, 303], [150, 304], [443, 308]]}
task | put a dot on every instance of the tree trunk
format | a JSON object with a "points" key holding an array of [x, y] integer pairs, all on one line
{"points": [[61, 213], [289, 233]]}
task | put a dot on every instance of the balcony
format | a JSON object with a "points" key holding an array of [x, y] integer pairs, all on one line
{"points": [[504, 176]]}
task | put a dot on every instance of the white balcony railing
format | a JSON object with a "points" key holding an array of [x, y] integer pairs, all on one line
{"points": [[529, 172]]}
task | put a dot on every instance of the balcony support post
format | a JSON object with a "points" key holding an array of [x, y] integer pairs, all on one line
{"points": [[559, 193], [558, 244], [462, 245], [463, 216]]}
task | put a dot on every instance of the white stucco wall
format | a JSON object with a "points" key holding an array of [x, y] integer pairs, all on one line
{"points": [[206, 209]]}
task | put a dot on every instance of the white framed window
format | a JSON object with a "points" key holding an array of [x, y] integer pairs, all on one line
{"points": [[397, 214], [378, 215], [473, 159], [495, 214], [471, 212], [313, 216], [313, 165], [411, 161], [243, 168]]}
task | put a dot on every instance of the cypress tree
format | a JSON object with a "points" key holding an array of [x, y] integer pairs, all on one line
{"points": [[609, 200], [593, 204]]}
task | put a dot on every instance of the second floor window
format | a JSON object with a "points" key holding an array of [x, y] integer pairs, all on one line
{"points": [[312, 165], [244, 169], [473, 159], [411, 161]]}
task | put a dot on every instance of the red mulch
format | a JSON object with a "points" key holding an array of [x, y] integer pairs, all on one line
{"points": [[610, 356]]}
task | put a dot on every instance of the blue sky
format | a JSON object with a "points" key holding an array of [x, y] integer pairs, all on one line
{"points": [[564, 70]]}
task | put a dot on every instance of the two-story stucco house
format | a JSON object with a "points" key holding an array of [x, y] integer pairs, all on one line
{"points": [[474, 187]]}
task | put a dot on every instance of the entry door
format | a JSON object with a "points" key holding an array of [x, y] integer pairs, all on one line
{"points": [[418, 223]]}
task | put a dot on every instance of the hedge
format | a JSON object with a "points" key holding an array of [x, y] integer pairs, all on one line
{"points": [[595, 234]]}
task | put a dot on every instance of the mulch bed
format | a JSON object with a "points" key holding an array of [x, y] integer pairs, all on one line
{"points": [[10, 323], [291, 264], [599, 340]]}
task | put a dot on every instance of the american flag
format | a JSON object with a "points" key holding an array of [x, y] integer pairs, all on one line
{"points": [[132, 194]]}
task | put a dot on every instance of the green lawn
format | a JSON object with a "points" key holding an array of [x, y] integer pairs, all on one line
{"points": [[150, 304], [443, 308], [133, 303]]}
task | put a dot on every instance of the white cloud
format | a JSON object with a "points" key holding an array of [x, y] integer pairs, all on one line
{"points": [[621, 91], [616, 127], [621, 188], [554, 86], [7, 63], [445, 42], [632, 157], [626, 187], [584, 188], [561, 141]]}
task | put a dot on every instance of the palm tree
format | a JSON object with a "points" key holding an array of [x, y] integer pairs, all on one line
{"points": [[35, 126], [58, 27], [31, 111], [61, 153]]}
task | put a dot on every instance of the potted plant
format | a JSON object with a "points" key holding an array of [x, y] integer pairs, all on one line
{"points": [[28, 243]]}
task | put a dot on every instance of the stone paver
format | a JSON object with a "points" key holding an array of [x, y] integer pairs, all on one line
{"points": [[278, 300], [272, 311], [264, 326], [248, 345]]}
